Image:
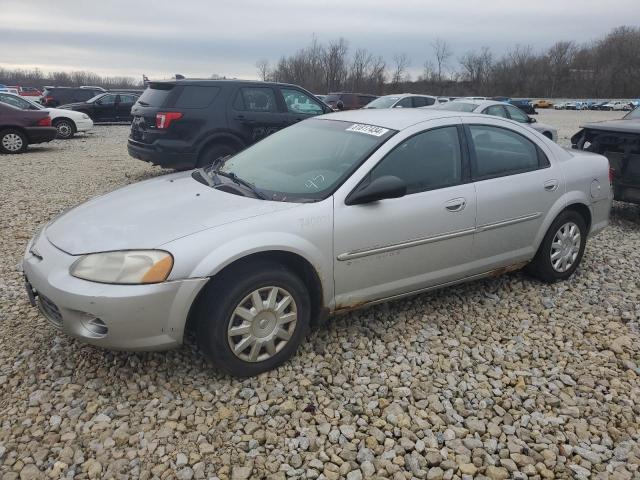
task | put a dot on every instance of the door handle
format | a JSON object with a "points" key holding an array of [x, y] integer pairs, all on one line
{"points": [[551, 185], [456, 204], [245, 120]]}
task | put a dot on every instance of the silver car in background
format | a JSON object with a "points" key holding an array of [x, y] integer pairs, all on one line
{"points": [[403, 100], [333, 213], [500, 109]]}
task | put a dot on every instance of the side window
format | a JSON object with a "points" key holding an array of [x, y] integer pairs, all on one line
{"points": [[516, 114], [501, 152], [107, 100], [298, 102], [423, 101], [426, 161], [255, 99], [496, 110], [14, 101], [82, 95], [127, 98], [193, 96], [404, 103]]}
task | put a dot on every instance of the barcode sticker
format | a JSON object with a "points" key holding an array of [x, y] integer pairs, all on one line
{"points": [[368, 129]]}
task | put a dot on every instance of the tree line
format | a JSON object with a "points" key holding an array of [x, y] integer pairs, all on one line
{"points": [[606, 67]]}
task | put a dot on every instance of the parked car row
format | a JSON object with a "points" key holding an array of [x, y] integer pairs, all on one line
{"points": [[19, 128], [618, 105]]}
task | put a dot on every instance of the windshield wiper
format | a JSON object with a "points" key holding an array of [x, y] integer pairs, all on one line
{"points": [[238, 181]]}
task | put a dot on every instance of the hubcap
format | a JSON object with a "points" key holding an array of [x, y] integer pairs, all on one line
{"points": [[12, 142], [565, 247], [63, 129], [262, 324]]}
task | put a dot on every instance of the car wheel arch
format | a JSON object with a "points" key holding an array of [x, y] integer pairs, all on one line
{"points": [[293, 261], [221, 138], [570, 201]]}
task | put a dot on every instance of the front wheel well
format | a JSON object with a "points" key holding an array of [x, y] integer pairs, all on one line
{"points": [[59, 119], [296, 263]]}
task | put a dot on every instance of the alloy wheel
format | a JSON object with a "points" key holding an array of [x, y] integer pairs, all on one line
{"points": [[262, 324]]}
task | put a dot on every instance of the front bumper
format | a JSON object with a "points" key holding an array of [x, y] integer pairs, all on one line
{"points": [[131, 317], [84, 124]]}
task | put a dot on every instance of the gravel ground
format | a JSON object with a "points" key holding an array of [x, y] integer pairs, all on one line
{"points": [[501, 378]]}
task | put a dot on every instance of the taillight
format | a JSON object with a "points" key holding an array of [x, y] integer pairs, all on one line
{"points": [[164, 119], [48, 99], [612, 174], [44, 122]]}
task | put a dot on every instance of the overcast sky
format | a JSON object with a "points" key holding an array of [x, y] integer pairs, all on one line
{"points": [[203, 37]]}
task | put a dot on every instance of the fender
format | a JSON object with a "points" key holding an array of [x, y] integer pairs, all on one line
{"points": [[227, 136], [225, 254], [569, 198]]}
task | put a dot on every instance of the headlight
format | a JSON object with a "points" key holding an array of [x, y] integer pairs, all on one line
{"points": [[85, 116], [124, 267]]}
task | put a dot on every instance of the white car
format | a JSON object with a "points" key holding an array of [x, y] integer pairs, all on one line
{"points": [[559, 105], [67, 122], [617, 105]]}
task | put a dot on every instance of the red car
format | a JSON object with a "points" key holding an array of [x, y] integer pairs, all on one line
{"points": [[19, 128], [27, 91]]}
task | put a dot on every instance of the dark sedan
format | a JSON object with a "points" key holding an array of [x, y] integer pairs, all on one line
{"points": [[107, 107], [19, 128]]}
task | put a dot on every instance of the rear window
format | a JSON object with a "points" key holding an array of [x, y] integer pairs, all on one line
{"points": [[193, 96], [458, 106], [156, 94]]}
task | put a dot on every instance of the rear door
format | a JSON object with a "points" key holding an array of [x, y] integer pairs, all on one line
{"points": [[516, 185], [123, 106], [255, 113]]}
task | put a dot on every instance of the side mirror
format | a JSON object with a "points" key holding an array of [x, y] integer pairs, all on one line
{"points": [[379, 189]]}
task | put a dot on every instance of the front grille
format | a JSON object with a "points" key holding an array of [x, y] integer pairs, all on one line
{"points": [[50, 310]]}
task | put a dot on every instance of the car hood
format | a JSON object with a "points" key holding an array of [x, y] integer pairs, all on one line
{"points": [[630, 125], [73, 106], [151, 213], [63, 111]]}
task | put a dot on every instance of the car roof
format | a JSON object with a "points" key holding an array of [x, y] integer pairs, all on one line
{"points": [[394, 118], [203, 82], [402, 95]]}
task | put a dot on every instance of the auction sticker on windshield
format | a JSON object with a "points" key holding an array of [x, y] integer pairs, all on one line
{"points": [[368, 129]]}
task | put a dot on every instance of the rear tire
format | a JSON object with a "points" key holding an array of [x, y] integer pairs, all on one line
{"points": [[66, 128], [561, 249], [214, 152], [13, 141], [268, 308]]}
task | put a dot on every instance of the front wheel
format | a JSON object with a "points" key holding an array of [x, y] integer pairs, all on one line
{"points": [[65, 128], [253, 318], [561, 249]]}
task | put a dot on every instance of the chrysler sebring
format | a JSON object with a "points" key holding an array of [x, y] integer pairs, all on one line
{"points": [[333, 213]]}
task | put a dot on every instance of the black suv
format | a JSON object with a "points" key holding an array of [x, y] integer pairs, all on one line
{"points": [[185, 124], [55, 96], [107, 107]]}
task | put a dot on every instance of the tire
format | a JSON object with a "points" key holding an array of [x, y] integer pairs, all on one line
{"points": [[66, 128], [214, 152], [13, 141], [568, 251], [217, 312]]}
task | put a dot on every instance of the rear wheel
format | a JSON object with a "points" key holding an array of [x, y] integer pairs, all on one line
{"points": [[66, 128], [253, 318], [13, 141], [561, 249], [212, 153]]}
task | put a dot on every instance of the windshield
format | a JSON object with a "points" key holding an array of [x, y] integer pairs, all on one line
{"points": [[633, 114], [457, 106], [383, 102], [307, 161], [93, 99]]}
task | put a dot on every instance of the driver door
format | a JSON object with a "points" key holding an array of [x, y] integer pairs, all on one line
{"points": [[105, 108], [423, 239]]}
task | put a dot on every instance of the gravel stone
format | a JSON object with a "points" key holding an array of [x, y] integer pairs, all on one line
{"points": [[503, 378]]}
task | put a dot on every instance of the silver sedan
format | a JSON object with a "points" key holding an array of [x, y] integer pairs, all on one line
{"points": [[333, 213], [500, 109]]}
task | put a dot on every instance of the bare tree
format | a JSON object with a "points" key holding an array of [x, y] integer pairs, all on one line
{"points": [[443, 52], [477, 66], [400, 64], [263, 69]]}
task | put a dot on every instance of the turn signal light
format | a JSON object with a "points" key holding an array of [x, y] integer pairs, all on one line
{"points": [[44, 122], [164, 119]]}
